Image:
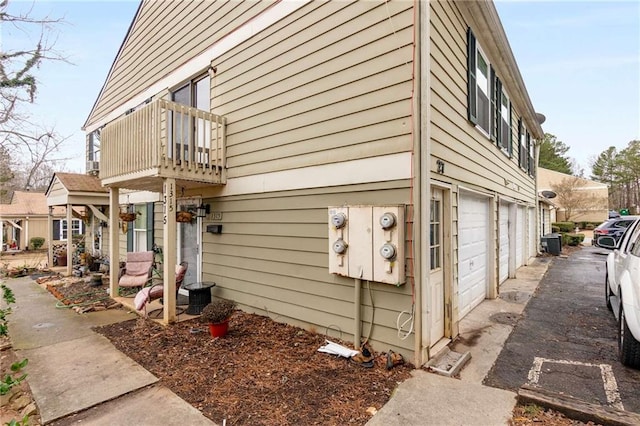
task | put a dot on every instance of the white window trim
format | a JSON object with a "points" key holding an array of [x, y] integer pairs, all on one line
{"points": [[63, 231]]}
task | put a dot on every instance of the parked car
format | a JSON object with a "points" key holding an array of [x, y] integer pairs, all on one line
{"points": [[614, 228], [622, 291], [613, 214]]}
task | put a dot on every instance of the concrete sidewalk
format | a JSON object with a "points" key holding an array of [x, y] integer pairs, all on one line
{"points": [[431, 399], [72, 368]]}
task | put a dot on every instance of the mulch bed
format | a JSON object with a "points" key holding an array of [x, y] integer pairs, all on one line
{"points": [[261, 373], [78, 293]]}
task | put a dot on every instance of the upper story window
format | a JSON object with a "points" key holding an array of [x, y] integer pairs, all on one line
{"points": [[189, 137], [524, 143], [93, 151], [530, 147], [489, 106], [503, 122]]}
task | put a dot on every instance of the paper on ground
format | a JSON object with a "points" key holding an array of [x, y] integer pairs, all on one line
{"points": [[336, 349]]}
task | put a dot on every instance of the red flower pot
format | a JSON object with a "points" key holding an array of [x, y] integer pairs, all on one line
{"points": [[219, 329]]}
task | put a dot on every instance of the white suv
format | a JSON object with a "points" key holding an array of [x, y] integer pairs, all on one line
{"points": [[622, 290]]}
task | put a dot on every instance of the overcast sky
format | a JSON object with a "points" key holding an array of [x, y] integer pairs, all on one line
{"points": [[580, 61]]}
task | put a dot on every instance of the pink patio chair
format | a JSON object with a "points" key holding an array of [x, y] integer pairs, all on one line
{"points": [[137, 270], [156, 291]]}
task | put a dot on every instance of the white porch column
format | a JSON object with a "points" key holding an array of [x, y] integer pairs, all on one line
{"points": [[50, 237], [169, 235], [114, 241], [26, 233], [69, 240]]}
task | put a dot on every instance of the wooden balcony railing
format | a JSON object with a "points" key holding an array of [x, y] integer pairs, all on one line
{"points": [[163, 140]]}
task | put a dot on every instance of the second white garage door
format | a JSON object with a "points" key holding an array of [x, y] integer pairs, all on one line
{"points": [[473, 239]]}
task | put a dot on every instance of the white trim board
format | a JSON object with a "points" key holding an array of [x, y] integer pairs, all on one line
{"points": [[366, 170]]}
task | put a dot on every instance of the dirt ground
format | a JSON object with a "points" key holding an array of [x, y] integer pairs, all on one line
{"points": [[262, 373]]}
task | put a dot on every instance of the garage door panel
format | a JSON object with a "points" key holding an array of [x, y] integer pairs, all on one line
{"points": [[473, 226], [520, 236], [504, 243]]}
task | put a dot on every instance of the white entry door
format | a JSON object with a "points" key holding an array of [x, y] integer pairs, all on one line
{"points": [[189, 241], [473, 238], [436, 275], [504, 242]]}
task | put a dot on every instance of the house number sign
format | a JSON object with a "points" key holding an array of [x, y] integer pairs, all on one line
{"points": [[168, 200]]}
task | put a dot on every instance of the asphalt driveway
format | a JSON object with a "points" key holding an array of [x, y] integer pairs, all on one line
{"points": [[565, 341]]}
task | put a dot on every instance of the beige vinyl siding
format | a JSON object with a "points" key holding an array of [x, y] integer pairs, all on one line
{"points": [[187, 30], [272, 257], [329, 83], [466, 152], [38, 227]]}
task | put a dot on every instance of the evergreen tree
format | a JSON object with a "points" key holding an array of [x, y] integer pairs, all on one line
{"points": [[553, 155]]}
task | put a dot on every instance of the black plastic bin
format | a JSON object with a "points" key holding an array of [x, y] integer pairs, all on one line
{"points": [[552, 243]]}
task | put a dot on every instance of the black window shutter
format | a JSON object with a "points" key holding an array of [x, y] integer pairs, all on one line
{"points": [[496, 109], [472, 105], [130, 237], [527, 157], [492, 106], [510, 138], [519, 144], [149, 226], [56, 230]]}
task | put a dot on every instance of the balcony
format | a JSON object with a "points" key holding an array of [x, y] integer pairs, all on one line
{"points": [[164, 140]]}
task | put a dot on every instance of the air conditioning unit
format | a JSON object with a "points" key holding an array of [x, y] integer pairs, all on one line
{"points": [[93, 166]]}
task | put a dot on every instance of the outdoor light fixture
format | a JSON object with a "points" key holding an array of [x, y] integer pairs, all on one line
{"points": [[202, 210]]}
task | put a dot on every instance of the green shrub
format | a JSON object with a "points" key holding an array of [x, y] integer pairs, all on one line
{"points": [[572, 239], [565, 226], [555, 229], [36, 242], [590, 226]]}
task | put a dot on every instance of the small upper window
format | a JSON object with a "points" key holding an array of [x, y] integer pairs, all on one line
{"points": [[489, 106], [523, 151], [504, 139]]}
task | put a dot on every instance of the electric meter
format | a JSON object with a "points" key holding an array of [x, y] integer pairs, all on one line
{"points": [[388, 251], [388, 220], [339, 220], [339, 246]]}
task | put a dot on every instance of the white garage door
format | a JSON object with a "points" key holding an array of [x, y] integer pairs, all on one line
{"points": [[520, 229], [473, 234], [504, 242]]}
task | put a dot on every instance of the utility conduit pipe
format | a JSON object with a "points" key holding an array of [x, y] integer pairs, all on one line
{"points": [[357, 301]]}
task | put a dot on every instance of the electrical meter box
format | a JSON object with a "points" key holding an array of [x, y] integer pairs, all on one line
{"points": [[388, 244], [367, 242], [338, 240]]}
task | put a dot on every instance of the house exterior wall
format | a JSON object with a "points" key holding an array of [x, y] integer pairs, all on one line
{"points": [[327, 85], [330, 83], [319, 113], [187, 31], [272, 257], [464, 150]]}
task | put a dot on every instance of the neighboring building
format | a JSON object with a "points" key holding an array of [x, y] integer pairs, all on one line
{"points": [[583, 200], [279, 117], [27, 216], [85, 202]]}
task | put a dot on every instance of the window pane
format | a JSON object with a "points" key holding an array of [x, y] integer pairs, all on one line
{"points": [[483, 111], [141, 216], [182, 96], [203, 94]]}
